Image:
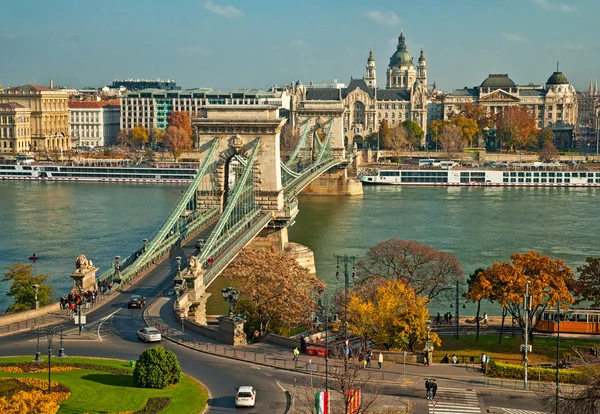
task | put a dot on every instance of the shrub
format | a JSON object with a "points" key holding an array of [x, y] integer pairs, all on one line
{"points": [[156, 368], [155, 405], [496, 369]]}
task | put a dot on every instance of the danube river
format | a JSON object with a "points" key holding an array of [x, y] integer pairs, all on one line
{"points": [[58, 221]]}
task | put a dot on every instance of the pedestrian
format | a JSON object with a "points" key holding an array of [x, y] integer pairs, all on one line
{"points": [[364, 363], [428, 389], [449, 318], [454, 359], [425, 360], [433, 389], [380, 361], [438, 319], [446, 317], [482, 362], [256, 337], [485, 318], [361, 357], [446, 359], [296, 353]]}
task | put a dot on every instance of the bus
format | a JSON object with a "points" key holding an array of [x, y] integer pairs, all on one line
{"points": [[572, 321], [428, 162], [25, 159]]}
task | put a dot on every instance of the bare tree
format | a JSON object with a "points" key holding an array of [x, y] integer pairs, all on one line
{"points": [[451, 140], [398, 141], [288, 140], [583, 399], [343, 382], [548, 153]]}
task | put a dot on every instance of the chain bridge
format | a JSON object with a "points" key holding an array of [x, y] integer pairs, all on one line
{"points": [[244, 191]]}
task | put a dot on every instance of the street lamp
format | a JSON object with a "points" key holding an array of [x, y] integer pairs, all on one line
{"points": [[50, 332], [117, 273], [178, 279], [346, 260], [36, 304], [230, 295], [324, 304], [428, 342], [527, 306], [557, 352]]}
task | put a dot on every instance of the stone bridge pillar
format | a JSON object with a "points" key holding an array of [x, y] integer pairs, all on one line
{"points": [[237, 127]]}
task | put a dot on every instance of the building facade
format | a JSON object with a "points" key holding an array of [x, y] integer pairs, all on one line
{"points": [[149, 108], [49, 120], [556, 101], [587, 102], [404, 97], [139, 84], [15, 128], [94, 124]]}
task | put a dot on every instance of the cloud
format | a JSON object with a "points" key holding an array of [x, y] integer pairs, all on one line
{"points": [[227, 11], [514, 37], [386, 18], [194, 50], [573, 46], [547, 5], [300, 44]]}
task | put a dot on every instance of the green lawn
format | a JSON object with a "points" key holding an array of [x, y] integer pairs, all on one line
{"points": [[101, 392], [544, 349]]}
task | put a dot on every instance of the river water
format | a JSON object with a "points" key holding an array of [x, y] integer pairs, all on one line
{"points": [[58, 221]]}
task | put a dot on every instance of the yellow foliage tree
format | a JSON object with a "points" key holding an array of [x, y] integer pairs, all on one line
{"points": [[393, 316], [32, 402], [468, 128], [550, 281], [139, 135]]}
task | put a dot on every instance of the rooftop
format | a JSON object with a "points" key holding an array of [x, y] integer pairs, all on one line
{"points": [[498, 81]]}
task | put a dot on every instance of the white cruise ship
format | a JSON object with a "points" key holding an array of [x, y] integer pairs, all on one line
{"points": [[482, 178], [98, 174]]}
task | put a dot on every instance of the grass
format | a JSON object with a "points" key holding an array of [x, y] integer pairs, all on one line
{"points": [[544, 349], [101, 392]]}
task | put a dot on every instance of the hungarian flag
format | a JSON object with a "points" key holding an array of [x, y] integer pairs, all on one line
{"points": [[322, 402]]}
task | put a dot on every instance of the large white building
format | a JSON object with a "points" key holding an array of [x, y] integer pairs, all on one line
{"points": [[94, 124]]}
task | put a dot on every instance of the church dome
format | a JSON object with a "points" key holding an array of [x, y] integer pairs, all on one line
{"points": [[557, 78], [401, 57]]}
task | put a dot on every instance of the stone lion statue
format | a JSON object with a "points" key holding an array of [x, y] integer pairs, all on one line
{"points": [[193, 265], [82, 263]]}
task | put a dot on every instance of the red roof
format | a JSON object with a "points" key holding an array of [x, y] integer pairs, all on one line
{"points": [[30, 87], [90, 105]]}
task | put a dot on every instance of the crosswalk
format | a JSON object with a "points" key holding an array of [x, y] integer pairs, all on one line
{"points": [[454, 401], [513, 411]]}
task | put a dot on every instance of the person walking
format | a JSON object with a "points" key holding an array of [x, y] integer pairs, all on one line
{"points": [[380, 360], [428, 389], [296, 353], [449, 318], [485, 318], [454, 359], [446, 317], [438, 319], [433, 389]]}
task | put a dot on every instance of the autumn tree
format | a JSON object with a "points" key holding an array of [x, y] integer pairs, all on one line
{"points": [[177, 140], [139, 136], [451, 140], [588, 284], [180, 119], [157, 135], [479, 289], [414, 134], [435, 130], [468, 128], [550, 281], [515, 126], [275, 291], [545, 137], [21, 289], [548, 153], [398, 141], [123, 137], [384, 135], [427, 270], [394, 316], [480, 115]]}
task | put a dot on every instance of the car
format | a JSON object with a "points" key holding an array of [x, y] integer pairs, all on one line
{"points": [[149, 334], [245, 396], [136, 301], [199, 244]]}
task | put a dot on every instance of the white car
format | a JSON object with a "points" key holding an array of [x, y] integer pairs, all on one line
{"points": [[149, 335], [245, 396]]}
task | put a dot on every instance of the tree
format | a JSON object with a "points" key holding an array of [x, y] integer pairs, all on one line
{"points": [[545, 137], [479, 288], [394, 316], [588, 284], [21, 288], [180, 119], [177, 140], [515, 126], [550, 281], [479, 114], [123, 137], [435, 129], [157, 136], [414, 134], [288, 139], [425, 269], [274, 290], [451, 140], [468, 128], [548, 153], [156, 368], [139, 136], [384, 135], [398, 141]]}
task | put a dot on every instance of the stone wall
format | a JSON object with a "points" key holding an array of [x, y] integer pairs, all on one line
{"points": [[30, 314], [334, 182]]}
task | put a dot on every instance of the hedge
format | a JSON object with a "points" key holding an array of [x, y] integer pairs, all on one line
{"points": [[500, 370]]}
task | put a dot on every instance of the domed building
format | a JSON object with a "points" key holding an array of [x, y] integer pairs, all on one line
{"points": [[404, 97], [552, 104]]}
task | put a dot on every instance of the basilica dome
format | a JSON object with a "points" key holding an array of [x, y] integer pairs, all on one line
{"points": [[401, 57], [557, 78]]}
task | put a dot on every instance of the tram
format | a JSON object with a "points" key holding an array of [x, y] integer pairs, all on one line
{"points": [[584, 321]]}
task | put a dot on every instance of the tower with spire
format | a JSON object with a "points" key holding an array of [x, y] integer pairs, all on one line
{"points": [[371, 71], [422, 69], [401, 72]]}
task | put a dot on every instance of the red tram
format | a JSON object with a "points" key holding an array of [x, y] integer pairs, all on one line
{"points": [[582, 321]]}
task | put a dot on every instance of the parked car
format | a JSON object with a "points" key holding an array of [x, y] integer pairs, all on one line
{"points": [[149, 334], [136, 301], [245, 396]]}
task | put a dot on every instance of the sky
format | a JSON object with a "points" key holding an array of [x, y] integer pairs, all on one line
{"points": [[227, 44]]}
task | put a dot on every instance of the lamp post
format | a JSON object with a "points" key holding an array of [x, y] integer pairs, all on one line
{"points": [[50, 332], [526, 305], [346, 261], [428, 342], [36, 304], [231, 295], [324, 304], [557, 352], [117, 273]]}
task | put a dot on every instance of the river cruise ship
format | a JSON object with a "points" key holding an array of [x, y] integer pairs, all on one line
{"points": [[47, 172], [471, 177]]}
